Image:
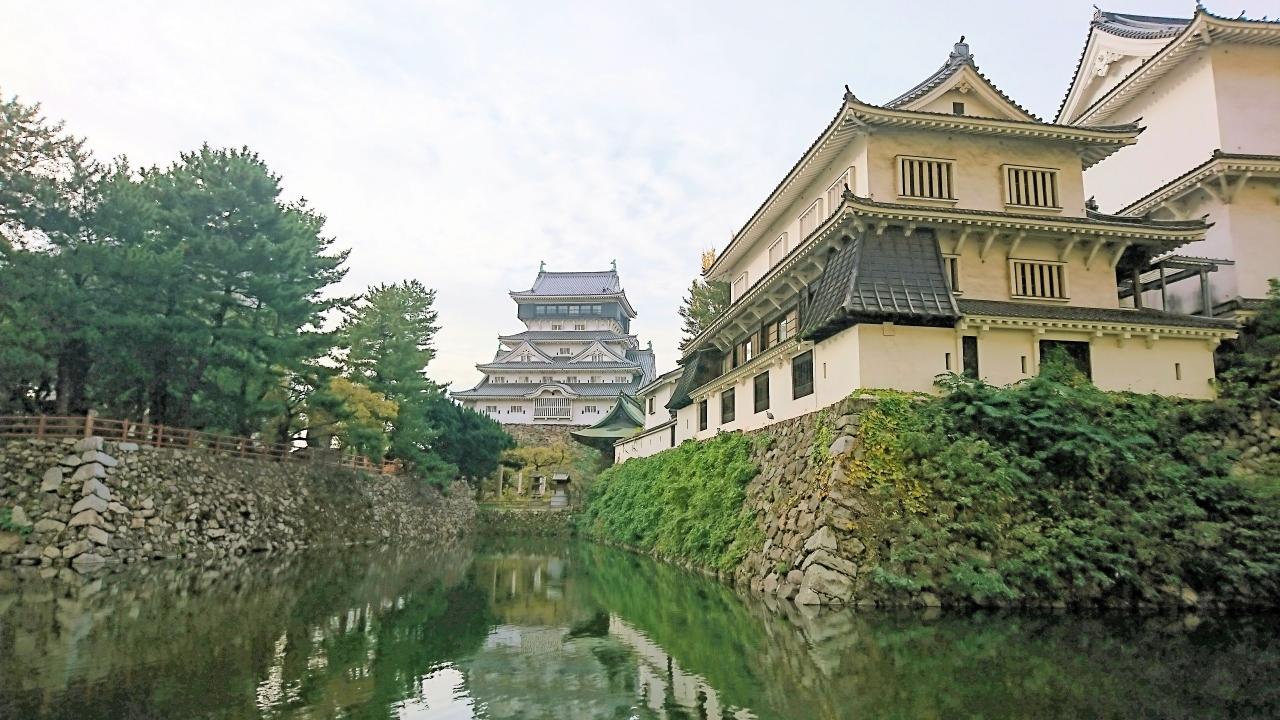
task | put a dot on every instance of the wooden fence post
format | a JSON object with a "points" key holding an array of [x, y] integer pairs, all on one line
{"points": [[40, 427], [88, 424]]}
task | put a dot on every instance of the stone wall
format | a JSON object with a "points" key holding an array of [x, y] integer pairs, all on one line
{"points": [[531, 523], [817, 520], [88, 502], [805, 508]]}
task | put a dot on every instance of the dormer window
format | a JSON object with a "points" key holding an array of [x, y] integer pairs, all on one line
{"points": [[925, 178], [1031, 187]]}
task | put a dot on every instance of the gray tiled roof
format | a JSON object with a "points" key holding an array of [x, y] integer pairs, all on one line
{"points": [[1138, 26], [878, 277], [592, 335], [648, 364], [959, 57], [534, 368], [604, 282], [1000, 308], [601, 390]]}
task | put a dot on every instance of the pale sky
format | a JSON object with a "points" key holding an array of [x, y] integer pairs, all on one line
{"points": [[461, 143]]}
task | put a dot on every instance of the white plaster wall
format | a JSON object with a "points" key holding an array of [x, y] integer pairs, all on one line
{"points": [[1182, 130], [1253, 220], [1089, 286], [1246, 81], [905, 358], [661, 396], [755, 259], [644, 445], [978, 181]]}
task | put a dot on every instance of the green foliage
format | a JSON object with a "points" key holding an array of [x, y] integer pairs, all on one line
{"points": [[470, 441], [685, 502], [1249, 368], [8, 525], [1052, 488], [705, 302]]}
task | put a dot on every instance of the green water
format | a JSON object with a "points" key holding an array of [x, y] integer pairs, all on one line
{"points": [[555, 630]]}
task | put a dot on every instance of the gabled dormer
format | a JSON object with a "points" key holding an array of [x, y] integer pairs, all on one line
{"points": [[959, 88], [598, 352], [524, 353], [1117, 45]]}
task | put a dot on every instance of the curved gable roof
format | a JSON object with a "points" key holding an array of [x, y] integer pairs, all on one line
{"points": [[959, 67]]}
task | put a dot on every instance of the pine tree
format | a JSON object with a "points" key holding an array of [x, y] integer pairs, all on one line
{"points": [[705, 302]]}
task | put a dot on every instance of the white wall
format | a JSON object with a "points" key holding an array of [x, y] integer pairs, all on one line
{"points": [[1182, 130]]}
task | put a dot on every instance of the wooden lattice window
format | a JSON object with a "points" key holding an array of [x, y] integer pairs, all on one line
{"points": [[1031, 187], [778, 250], [928, 178], [809, 219], [836, 191], [1038, 279], [551, 408]]}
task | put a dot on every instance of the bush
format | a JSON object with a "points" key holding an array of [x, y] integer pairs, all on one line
{"points": [[686, 502], [1054, 489]]}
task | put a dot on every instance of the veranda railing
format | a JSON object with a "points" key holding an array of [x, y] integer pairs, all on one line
{"points": [[164, 436]]}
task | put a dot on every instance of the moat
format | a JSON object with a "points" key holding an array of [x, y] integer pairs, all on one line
{"points": [[550, 629]]}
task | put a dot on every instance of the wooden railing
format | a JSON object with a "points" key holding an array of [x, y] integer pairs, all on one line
{"points": [[163, 436]]}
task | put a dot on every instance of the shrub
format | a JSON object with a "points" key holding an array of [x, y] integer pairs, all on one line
{"points": [[686, 502]]}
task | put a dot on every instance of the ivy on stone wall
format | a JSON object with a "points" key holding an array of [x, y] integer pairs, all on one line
{"points": [[686, 502]]}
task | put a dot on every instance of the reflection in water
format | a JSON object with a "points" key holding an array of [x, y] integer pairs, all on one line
{"points": [[548, 630]]}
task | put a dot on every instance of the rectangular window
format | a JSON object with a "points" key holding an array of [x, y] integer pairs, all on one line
{"points": [[516, 409], [836, 191], [778, 250], [761, 384], [802, 375], [552, 408], [957, 108], [727, 406], [652, 406], [557, 327], [928, 178], [969, 351], [579, 327], [571, 379], [590, 410], [771, 335], [1072, 351], [1031, 187], [499, 379], [565, 351], [790, 325], [739, 287], [623, 378], [809, 220], [952, 265], [1038, 279], [547, 379], [702, 415]]}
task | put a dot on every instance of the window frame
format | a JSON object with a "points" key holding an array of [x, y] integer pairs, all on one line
{"points": [[796, 387], [728, 406], [1006, 173], [1062, 280], [951, 266], [756, 394], [703, 420], [845, 178], [741, 280], [814, 210], [781, 241], [950, 181]]}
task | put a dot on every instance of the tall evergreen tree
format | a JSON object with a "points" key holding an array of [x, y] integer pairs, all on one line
{"points": [[705, 302], [389, 339]]}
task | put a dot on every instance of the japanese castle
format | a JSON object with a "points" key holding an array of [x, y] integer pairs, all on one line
{"points": [[574, 359]]}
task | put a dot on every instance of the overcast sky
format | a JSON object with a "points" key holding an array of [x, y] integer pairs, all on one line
{"points": [[462, 143]]}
